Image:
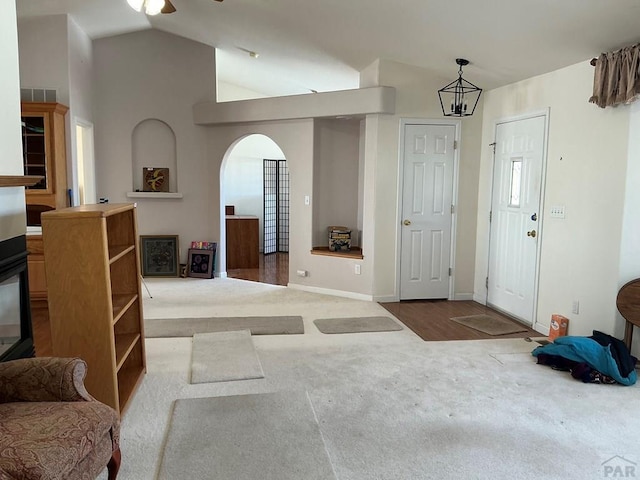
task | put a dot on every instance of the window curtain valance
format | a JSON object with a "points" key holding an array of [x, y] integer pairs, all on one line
{"points": [[617, 77]]}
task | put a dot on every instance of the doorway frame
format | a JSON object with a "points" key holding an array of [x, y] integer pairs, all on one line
{"points": [[454, 194], [77, 169], [546, 112]]}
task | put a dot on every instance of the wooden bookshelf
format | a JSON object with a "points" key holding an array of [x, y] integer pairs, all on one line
{"points": [[95, 302]]}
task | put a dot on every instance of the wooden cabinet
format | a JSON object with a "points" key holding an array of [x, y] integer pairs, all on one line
{"points": [[44, 153], [95, 302], [35, 263], [243, 249]]}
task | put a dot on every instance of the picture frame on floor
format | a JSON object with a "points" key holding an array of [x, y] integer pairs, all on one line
{"points": [[200, 263], [159, 255]]}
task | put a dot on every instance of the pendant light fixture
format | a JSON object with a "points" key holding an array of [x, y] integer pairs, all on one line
{"points": [[460, 97]]}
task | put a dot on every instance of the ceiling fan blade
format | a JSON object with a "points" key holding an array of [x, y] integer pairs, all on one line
{"points": [[218, 0], [168, 7]]}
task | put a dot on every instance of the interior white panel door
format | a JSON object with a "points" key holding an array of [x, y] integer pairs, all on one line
{"points": [[426, 211], [515, 212]]}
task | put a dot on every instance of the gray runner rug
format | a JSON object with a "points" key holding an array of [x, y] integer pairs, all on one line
{"points": [[224, 356], [268, 436], [187, 327], [489, 325], [356, 325]]}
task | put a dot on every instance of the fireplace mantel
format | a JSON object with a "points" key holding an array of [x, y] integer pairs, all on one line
{"points": [[19, 180]]}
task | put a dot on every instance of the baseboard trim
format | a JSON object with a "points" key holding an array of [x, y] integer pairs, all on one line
{"points": [[463, 297], [479, 298], [329, 291], [386, 299]]}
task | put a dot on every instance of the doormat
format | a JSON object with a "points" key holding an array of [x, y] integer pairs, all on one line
{"points": [[187, 327], [489, 325], [356, 325]]}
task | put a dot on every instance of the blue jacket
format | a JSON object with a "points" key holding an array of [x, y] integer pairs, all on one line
{"points": [[587, 350]]}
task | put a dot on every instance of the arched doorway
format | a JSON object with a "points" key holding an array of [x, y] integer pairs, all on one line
{"points": [[255, 192]]}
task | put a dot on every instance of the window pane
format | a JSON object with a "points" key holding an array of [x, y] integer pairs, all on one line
{"points": [[516, 181]]}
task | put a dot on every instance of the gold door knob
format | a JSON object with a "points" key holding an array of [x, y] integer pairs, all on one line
{"points": [[407, 222], [532, 234]]}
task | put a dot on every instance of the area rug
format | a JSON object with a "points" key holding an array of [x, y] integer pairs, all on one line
{"points": [[489, 325], [187, 327], [356, 325], [224, 356], [270, 436]]}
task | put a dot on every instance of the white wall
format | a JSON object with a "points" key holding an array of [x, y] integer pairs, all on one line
{"points": [[44, 55], [80, 52], [416, 97], [630, 245], [56, 53], [228, 92], [586, 168], [12, 206], [152, 74], [243, 177]]}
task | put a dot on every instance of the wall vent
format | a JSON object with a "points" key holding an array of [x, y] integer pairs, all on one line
{"points": [[38, 95]]}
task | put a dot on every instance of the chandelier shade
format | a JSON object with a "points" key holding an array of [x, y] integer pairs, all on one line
{"points": [[460, 97]]}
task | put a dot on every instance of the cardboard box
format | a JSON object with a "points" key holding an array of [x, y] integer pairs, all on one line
{"points": [[559, 326]]}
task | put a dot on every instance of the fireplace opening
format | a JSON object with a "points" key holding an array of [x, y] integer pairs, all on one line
{"points": [[16, 333]]}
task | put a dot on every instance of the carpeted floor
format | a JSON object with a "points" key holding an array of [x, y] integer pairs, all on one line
{"points": [[389, 405]]}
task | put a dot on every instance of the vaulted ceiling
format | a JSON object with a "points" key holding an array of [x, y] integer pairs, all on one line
{"points": [[322, 45]]}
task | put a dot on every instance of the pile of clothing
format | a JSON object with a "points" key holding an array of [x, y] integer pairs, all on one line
{"points": [[599, 358]]}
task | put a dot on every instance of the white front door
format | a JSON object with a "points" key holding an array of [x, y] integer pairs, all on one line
{"points": [[515, 216], [427, 211]]}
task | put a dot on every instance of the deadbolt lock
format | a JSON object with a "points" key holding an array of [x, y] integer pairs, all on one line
{"points": [[532, 234]]}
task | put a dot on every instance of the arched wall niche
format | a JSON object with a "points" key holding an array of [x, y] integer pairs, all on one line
{"points": [[153, 144]]}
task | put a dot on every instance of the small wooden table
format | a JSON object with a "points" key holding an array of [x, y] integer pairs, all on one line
{"points": [[243, 249], [628, 303]]}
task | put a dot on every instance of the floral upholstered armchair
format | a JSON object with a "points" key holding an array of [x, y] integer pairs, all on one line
{"points": [[50, 427]]}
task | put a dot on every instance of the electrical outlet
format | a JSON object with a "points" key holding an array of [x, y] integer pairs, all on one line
{"points": [[357, 269], [301, 273], [575, 308], [307, 200]]}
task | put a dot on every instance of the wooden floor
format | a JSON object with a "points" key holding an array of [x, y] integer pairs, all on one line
{"points": [[429, 319], [273, 269]]}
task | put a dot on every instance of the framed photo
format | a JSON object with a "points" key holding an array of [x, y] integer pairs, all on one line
{"points": [[159, 255], [200, 263]]}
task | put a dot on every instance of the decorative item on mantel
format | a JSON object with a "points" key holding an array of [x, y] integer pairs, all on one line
{"points": [[155, 179], [339, 239], [460, 96]]}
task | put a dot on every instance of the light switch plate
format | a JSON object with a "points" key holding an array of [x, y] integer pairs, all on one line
{"points": [[557, 211]]}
